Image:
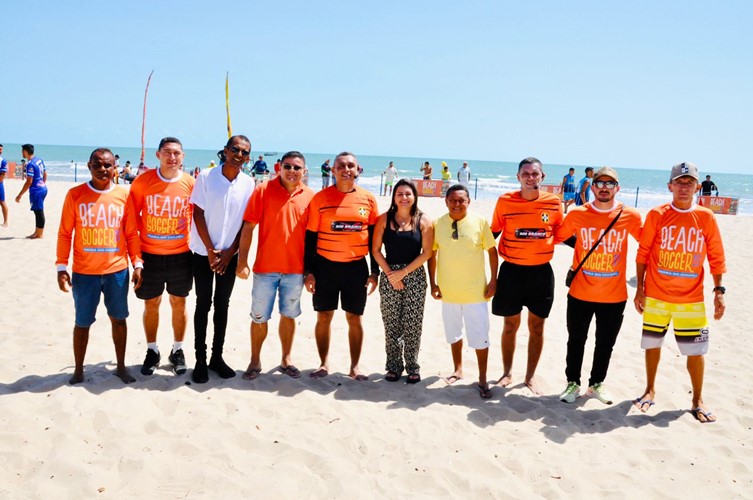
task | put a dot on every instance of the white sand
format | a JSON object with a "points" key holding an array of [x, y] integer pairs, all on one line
{"points": [[336, 438]]}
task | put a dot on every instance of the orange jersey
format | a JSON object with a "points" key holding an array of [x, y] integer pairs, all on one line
{"points": [[674, 245], [602, 277], [527, 227], [342, 221], [162, 210], [93, 221], [282, 219]]}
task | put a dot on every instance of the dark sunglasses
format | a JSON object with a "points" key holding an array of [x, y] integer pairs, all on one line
{"points": [[236, 150], [605, 184], [288, 166], [454, 230]]}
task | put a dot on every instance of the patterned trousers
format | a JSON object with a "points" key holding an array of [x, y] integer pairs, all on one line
{"points": [[403, 316]]}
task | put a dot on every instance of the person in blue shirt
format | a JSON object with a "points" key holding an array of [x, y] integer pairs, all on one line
{"points": [[3, 171], [36, 184], [568, 188], [259, 168], [584, 188]]}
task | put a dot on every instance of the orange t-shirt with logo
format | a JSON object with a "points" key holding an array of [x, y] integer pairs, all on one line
{"points": [[93, 221], [527, 227], [342, 221], [602, 277], [281, 218], [162, 210], [674, 245]]}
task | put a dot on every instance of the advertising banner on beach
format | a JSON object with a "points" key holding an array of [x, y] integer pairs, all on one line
{"points": [[724, 205], [428, 188], [552, 188]]}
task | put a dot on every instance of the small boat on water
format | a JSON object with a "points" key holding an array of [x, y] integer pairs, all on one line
{"points": [[270, 154]]}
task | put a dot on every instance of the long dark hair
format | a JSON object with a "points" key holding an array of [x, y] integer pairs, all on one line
{"points": [[415, 213]]}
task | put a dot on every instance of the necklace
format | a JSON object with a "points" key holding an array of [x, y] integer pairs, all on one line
{"points": [[402, 222]]}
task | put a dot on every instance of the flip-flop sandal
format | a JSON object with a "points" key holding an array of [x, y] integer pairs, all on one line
{"points": [[291, 371], [697, 412], [484, 392], [413, 378], [391, 377], [640, 402], [251, 374]]}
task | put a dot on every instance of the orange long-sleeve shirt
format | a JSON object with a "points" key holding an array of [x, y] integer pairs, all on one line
{"points": [[674, 245], [94, 223]]}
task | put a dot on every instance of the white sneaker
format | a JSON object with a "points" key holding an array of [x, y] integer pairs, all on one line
{"points": [[571, 393], [599, 392]]}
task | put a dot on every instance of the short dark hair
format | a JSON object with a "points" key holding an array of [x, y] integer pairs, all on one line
{"points": [[345, 153], [529, 161], [29, 148], [239, 136], [293, 154], [169, 140], [1, 145], [589, 169], [99, 150], [458, 187]]}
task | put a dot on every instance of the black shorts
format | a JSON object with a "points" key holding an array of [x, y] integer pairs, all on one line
{"points": [[343, 280], [160, 270], [529, 286]]}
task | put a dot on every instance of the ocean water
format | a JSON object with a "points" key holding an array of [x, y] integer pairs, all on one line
{"points": [[642, 188]]}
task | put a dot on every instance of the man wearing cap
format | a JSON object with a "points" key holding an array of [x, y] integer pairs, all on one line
{"points": [[677, 238], [583, 192], [599, 288]]}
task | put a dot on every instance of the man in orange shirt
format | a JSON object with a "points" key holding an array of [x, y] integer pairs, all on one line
{"points": [[159, 201], [92, 222], [338, 238], [598, 288], [677, 238], [280, 209], [526, 219]]}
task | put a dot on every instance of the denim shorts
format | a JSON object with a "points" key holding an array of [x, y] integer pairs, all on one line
{"points": [[87, 289], [266, 286]]}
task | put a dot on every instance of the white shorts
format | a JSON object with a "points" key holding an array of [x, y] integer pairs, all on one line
{"points": [[476, 320]]}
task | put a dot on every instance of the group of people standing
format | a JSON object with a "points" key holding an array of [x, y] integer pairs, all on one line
{"points": [[337, 246]]}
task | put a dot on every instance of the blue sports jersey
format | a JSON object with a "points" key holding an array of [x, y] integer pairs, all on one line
{"points": [[35, 169]]}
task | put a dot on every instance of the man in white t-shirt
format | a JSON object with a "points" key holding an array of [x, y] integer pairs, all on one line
{"points": [[219, 200], [464, 174], [389, 178]]}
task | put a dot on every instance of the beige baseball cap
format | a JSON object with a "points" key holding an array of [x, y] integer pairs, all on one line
{"points": [[607, 172], [684, 169]]}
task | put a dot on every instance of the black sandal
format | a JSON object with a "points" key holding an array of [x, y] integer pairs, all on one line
{"points": [[413, 378], [391, 377]]}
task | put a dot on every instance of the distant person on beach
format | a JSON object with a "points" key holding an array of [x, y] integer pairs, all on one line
{"points": [[338, 235], [677, 237], [426, 169], [280, 209], [116, 177], [464, 174], [259, 170], [408, 237], [526, 220], [101, 247], [390, 174], [36, 184], [599, 288], [219, 199], [708, 187], [583, 191], [568, 188], [128, 175], [196, 172], [446, 174], [159, 200], [457, 275], [326, 174], [3, 172]]}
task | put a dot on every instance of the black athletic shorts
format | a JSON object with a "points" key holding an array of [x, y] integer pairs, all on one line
{"points": [[529, 286], [173, 271], [343, 280]]}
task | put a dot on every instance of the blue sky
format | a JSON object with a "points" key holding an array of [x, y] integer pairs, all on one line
{"points": [[641, 84]]}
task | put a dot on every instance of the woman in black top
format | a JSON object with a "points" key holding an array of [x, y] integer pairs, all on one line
{"points": [[407, 236]]}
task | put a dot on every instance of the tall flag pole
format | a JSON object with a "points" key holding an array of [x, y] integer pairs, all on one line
{"points": [[227, 105], [143, 118]]}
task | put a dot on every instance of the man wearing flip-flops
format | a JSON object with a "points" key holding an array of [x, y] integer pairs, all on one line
{"points": [[677, 238]]}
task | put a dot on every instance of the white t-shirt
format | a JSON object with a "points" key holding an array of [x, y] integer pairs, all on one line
{"points": [[224, 203], [464, 175], [390, 174]]}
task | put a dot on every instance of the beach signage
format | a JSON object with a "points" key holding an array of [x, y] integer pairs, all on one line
{"points": [[428, 187], [724, 205]]}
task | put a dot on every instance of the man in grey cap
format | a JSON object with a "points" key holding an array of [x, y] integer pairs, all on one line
{"points": [[677, 238]]}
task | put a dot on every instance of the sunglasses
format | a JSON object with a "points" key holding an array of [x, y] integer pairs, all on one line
{"points": [[454, 230], [605, 184], [236, 150], [288, 166]]}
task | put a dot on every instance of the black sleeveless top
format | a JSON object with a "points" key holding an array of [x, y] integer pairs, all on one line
{"points": [[401, 247]]}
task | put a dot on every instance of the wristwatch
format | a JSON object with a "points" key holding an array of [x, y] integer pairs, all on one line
{"points": [[720, 289]]}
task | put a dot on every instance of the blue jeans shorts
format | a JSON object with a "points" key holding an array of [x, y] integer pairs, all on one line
{"points": [[87, 289], [266, 286]]}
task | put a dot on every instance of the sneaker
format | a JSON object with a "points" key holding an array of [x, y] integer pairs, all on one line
{"points": [[571, 393], [599, 392], [179, 361], [151, 361]]}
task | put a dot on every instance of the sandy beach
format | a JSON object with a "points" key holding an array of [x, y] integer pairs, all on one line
{"points": [[336, 438]]}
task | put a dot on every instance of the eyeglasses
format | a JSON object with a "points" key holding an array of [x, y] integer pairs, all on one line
{"points": [[454, 230], [236, 150], [288, 166], [605, 184]]}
